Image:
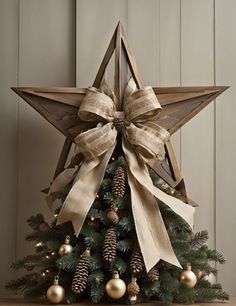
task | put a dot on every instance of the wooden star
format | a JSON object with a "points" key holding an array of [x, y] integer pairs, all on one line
{"points": [[180, 104]]}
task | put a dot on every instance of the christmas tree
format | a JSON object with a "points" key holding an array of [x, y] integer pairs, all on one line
{"points": [[123, 229], [109, 234]]}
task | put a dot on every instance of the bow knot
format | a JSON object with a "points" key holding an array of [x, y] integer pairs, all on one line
{"points": [[119, 122]]}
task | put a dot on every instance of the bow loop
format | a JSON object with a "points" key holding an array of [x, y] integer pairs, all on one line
{"points": [[96, 106], [147, 139], [142, 105], [94, 142]]}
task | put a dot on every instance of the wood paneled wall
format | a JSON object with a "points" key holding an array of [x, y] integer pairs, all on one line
{"points": [[176, 42], [37, 47]]}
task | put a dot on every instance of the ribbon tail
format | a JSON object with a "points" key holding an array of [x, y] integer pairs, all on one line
{"points": [[60, 182], [84, 190], [151, 231]]}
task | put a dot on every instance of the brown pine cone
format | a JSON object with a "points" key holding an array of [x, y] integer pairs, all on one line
{"points": [[133, 287], [118, 183], [109, 246], [136, 261], [153, 275], [112, 216], [79, 282]]}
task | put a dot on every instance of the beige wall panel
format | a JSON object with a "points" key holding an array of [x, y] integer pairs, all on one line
{"points": [[47, 58], [169, 45], [143, 34], [8, 135], [225, 19], [197, 137], [96, 21]]}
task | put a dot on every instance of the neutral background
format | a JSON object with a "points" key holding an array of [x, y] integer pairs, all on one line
{"points": [[61, 43]]}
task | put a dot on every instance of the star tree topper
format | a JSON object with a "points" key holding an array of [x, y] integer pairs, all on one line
{"points": [[180, 104]]}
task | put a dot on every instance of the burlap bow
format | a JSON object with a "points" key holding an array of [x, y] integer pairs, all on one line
{"points": [[142, 139]]}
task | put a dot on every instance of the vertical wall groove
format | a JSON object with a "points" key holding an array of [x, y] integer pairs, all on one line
{"points": [[214, 55], [18, 121]]}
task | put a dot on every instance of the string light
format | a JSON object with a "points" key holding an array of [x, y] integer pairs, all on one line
{"points": [[43, 274], [97, 196], [39, 244], [47, 256], [92, 218], [55, 215], [53, 253]]}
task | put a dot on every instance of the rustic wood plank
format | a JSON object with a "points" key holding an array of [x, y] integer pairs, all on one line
{"points": [[8, 135], [47, 58], [197, 137], [169, 45], [225, 23]]}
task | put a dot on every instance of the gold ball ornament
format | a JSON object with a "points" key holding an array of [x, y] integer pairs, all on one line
{"points": [[56, 293], [66, 248], [188, 278], [115, 287]]}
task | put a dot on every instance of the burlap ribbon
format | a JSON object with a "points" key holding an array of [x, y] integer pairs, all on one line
{"points": [[142, 139]]}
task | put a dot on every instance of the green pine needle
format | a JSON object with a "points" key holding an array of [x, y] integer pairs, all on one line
{"points": [[199, 239]]}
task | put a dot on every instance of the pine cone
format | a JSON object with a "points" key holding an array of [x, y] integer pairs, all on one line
{"points": [[118, 183], [81, 273], [109, 247], [153, 275], [133, 287], [112, 216], [136, 261]]}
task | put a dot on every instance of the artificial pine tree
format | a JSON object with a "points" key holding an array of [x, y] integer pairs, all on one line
{"points": [[162, 282]]}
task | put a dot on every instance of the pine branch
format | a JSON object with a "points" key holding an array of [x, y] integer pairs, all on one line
{"points": [[185, 295], [111, 168], [127, 223], [28, 262], [106, 184], [24, 282], [68, 262], [97, 214], [210, 294], [199, 239], [95, 262], [151, 288], [119, 264], [96, 278], [125, 245], [35, 221], [95, 241], [213, 255], [97, 292]]}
